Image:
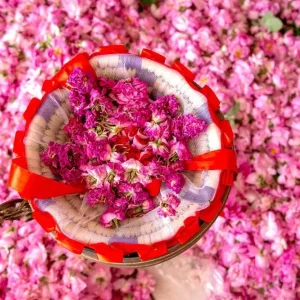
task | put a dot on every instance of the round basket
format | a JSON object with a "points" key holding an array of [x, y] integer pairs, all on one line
{"points": [[139, 242]]}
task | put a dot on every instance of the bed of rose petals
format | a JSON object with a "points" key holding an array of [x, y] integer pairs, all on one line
{"points": [[32, 266], [120, 142], [254, 72]]}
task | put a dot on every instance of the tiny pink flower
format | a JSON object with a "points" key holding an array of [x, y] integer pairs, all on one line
{"points": [[168, 205], [132, 169], [100, 195], [111, 217], [129, 91], [137, 210], [81, 81], [159, 147], [175, 182], [179, 150]]}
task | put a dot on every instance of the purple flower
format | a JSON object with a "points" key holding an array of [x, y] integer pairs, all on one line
{"points": [[120, 142], [59, 157], [70, 175], [95, 134], [73, 125], [152, 130], [137, 210], [107, 174], [77, 102], [90, 120], [95, 175], [77, 132], [148, 205], [111, 217], [116, 157], [141, 116], [99, 150], [165, 130], [106, 82], [101, 195], [156, 131], [133, 169], [138, 113], [187, 126], [115, 172], [73, 155], [168, 205], [82, 81], [155, 168], [128, 189], [100, 102], [167, 103], [82, 138], [175, 182], [135, 192], [50, 156], [159, 147], [177, 166], [117, 122], [158, 116], [179, 150], [131, 91], [118, 118], [121, 203]]}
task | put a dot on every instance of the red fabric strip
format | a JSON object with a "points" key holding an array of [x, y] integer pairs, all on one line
{"points": [[223, 159], [19, 148], [32, 108], [81, 60], [31, 185]]}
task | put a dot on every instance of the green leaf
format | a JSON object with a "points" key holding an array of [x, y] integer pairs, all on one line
{"points": [[272, 23], [43, 280], [230, 115], [232, 123], [296, 31], [262, 182], [148, 2], [261, 291], [182, 9], [267, 16], [234, 110]]}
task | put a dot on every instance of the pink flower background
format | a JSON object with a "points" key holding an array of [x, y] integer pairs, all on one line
{"points": [[255, 73]]}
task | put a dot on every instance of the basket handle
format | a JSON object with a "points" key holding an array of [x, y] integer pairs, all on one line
{"points": [[15, 210]]}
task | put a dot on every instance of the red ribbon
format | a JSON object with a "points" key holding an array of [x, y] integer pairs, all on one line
{"points": [[31, 185], [110, 49], [81, 60], [223, 159]]}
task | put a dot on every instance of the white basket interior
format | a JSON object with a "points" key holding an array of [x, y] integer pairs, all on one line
{"points": [[81, 222]]}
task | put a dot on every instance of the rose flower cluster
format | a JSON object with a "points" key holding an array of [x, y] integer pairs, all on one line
{"points": [[121, 142]]}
